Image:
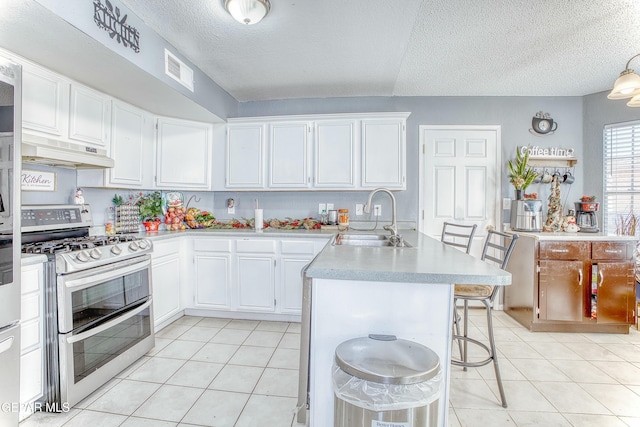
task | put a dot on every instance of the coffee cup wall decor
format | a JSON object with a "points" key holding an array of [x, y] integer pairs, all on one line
{"points": [[543, 124]]}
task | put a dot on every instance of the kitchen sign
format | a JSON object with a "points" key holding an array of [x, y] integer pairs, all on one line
{"points": [[38, 181], [554, 152], [109, 19]]}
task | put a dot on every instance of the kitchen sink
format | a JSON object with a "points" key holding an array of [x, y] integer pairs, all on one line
{"points": [[374, 240]]}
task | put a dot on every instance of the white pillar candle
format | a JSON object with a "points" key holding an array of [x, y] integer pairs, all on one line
{"points": [[258, 219]]}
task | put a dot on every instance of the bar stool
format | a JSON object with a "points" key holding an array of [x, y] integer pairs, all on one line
{"points": [[486, 294], [458, 235]]}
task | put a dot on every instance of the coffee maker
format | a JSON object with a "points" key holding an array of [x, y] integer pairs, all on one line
{"points": [[586, 216]]}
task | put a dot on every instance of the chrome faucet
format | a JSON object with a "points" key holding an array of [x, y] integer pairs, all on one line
{"points": [[393, 228]]}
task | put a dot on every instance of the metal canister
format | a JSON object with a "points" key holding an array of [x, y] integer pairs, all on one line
{"points": [[333, 217]]}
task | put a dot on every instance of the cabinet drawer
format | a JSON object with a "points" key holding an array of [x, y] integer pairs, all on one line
{"points": [[612, 250], [268, 246], [565, 250], [212, 245], [298, 247], [166, 247]]}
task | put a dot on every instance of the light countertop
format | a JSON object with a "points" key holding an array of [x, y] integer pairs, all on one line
{"points": [[562, 236]]}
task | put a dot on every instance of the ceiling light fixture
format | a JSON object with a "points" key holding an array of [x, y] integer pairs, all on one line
{"points": [[627, 86], [247, 12]]}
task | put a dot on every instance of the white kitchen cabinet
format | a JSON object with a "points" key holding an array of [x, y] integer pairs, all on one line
{"points": [[383, 153], [32, 337], [89, 116], [184, 150], [295, 254], [131, 148], [335, 154], [45, 102], [255, 274], [212, 273], [245, 167], [166, 267], [289, 155]]}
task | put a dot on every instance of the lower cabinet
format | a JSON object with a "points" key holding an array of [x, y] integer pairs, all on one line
{"points": [[32, 336], [572, 285], [166, 267], [251, 275]]}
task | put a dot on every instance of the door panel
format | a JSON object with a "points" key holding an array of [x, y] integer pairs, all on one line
{"points": [[562, 290], [615, 292]]}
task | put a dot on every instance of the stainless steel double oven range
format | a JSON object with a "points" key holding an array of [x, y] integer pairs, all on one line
{"points": [[97, 300]]}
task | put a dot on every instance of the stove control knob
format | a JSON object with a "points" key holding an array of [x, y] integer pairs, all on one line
{"points": [[133, 246], [95, 253], [116, 250], [82, 256], [143, 244]]}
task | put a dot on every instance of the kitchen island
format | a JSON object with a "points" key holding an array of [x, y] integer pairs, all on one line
{"points": [[353, 291], [573, 282]]}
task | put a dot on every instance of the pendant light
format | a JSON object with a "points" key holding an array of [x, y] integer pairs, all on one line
{"points": [[627, 86], [247, 12]]}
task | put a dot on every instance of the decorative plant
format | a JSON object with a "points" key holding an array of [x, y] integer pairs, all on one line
{"points": [[117, 200], [150, 205], [520, 174]]}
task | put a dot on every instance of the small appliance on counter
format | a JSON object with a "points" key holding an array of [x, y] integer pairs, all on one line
{"points": [[526, 215], [586, 216]]}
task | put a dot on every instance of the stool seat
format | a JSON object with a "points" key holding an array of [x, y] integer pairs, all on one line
{"points": [[481, 291]]}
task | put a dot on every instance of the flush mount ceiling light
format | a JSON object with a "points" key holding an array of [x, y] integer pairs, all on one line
{"points": [[247, 12], [627, 86]]}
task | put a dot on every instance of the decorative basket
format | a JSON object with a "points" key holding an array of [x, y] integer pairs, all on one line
{"points": [[587, 206]]}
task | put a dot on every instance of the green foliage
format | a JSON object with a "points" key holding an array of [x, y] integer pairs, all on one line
{"points": [[117, 200], [520, 174], [150, 205]]}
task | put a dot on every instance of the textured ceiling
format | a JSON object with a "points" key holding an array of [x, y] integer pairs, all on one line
{"points": [[337, 48]]}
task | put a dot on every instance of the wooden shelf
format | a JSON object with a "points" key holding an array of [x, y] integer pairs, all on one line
{"points": [[558, 162]]}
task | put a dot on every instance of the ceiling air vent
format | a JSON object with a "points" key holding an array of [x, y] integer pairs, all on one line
{"points": [[178, 70]]}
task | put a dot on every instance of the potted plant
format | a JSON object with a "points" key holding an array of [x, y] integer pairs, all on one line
{"points": [[150, 207], [520, 174]]}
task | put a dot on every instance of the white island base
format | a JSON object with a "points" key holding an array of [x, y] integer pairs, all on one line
{"points": [[345, 309]]}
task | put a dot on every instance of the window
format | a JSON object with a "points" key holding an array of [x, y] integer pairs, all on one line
{"points": [[621, 174]]}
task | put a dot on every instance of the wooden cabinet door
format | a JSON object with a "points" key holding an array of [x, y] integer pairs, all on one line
{"points": [[89, 116], [166, 287], [256, 282], [383, 153], [245, 156], [562, 290], [335, 154], [289, 155], [213, 280], [45, 101], [616, 295]]}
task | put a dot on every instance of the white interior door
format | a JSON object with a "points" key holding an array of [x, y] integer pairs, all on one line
{"points": [[459, 179]]}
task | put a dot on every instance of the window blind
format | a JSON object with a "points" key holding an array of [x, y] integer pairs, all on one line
{"points": [[621, 174]]}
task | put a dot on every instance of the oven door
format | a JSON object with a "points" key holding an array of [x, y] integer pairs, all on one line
{"points": [[91, 358], [91, 297]]}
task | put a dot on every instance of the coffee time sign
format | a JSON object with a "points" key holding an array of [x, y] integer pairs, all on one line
{"points": [[37, 181], [554, 152]]}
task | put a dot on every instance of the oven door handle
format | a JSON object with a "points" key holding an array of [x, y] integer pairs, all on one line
{"points": [[91, 332], [89, 278]]}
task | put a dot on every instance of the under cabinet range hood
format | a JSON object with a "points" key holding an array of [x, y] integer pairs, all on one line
{"points": [[51, 152]]}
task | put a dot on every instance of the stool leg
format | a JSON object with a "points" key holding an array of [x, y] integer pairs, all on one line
{"points": [[456, 325], [494, 354], [466, 328]]}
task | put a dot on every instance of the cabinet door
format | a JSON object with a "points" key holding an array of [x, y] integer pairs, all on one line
{"points": [[245, 156], [213, 280], [45, 102], [184, 154], [131, 147], [383, 153], [256, 282], [166, 287], [562, 290], [616, 296], [289, 155], [89, 116], [291, 268], [335, 154]]}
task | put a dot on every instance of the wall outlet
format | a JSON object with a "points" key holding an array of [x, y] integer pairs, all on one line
{"points": [[506, 203], [377, 210], [322, 207], [231, 210], [359, 209], [329, 206]]}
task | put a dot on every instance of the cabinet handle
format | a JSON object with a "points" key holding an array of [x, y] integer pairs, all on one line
{"points": [[613, 251], [579, 277], [560, 251], [601, 277]]}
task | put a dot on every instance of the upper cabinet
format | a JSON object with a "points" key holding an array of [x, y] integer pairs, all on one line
{"points": [[245, 156], [89, 116], [324, 152], [45, 101], [184, 154]]}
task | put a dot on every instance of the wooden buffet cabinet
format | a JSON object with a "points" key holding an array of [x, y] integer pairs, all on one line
{"points": [[572, 282]]}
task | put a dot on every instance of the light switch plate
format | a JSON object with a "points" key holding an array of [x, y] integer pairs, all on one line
{"points": [[322, 207], [359, 209], [329, 206], [231, 210], [506, 203]]}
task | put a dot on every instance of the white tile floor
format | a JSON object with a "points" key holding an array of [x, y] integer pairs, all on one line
{"points": [[224, 373]]}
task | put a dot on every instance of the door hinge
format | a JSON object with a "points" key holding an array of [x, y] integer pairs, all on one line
{"points": [[424, 149], [537, 269], [423, 214], [538, 311], [274, 303], [274, 262]]}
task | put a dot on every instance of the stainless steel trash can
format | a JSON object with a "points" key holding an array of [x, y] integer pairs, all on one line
{"points": [[382, 381]]}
